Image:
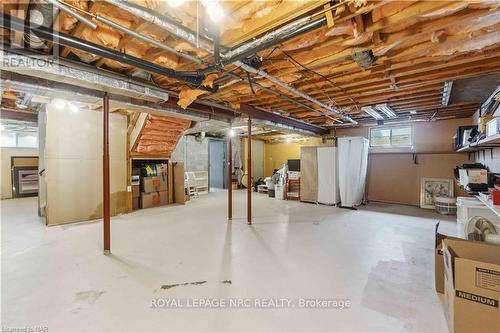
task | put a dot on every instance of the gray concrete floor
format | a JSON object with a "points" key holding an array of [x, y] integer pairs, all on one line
{"points": [[380, 258]]}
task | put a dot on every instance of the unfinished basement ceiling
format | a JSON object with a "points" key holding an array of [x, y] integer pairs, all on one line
{"points": [[361, 53]]}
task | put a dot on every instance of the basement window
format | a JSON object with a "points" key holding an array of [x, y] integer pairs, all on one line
{"points": [[11, 139], [391, 137]]}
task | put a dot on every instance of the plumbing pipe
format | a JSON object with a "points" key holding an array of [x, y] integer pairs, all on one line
{"points": [[190, 77], [68, 11], [191, 38], [146, 39]]}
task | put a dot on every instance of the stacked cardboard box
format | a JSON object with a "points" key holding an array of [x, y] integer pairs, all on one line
{"points": [[154, 188], [468, 272]]}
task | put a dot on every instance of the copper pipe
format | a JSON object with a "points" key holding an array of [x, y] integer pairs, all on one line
{"points": [[105, 176], [229, 178], [249, 172]]}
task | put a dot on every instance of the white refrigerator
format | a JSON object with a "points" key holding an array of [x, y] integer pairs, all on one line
{"points": [[353, 167], [328, 186]]}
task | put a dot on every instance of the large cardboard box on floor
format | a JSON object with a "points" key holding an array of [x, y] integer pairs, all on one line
{"points": [[438, 256], [472, 286], [153, 199], [178, 173]]}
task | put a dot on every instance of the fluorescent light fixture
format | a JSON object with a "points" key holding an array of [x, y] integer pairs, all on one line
{"points": [[231, 132], [446, 92], [387, 110], [372, 112], [175, 3], [413, 112], [214, 9]]}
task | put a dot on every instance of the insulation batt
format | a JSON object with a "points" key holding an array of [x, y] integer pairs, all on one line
{"points": [[251, 11], [306, 41], [168, 60], [66, 22], [161, 134], [188, 96]]}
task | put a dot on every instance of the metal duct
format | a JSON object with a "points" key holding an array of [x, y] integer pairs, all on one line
{"points": [[57, 71], [261, 42], [156, 20], [295, 91], [193, 77], [147, 39], [277, 36], [50, 89], [70, 12], [40, 14]]}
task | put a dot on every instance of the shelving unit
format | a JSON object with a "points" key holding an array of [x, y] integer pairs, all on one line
{"points": [[201, 178], [484, 199], [486, 143]]}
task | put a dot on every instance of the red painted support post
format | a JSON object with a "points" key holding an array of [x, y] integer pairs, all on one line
{"points": [[249, 172], [105, 176], [229, 176]]}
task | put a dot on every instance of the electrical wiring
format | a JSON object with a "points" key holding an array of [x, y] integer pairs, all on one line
{"points": [[324, 77]]}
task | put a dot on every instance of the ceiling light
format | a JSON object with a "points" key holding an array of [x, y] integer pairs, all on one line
{"points": [[175, 3], [372, 112], [214, 9], [288, 140], [413, 112], [387, 110], [231, 132], [72, 107], [58, 103]]}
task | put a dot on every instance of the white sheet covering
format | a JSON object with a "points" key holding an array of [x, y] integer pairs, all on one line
{"points": [[328, 187], [353, 167]]}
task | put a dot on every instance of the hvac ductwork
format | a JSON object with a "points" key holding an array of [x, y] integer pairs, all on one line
{"points": [[49, 90], [234, 56], [193, 78], [39, 14], [46, 68]]}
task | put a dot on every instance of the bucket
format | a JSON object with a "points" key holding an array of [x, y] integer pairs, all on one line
{"points": [[445, 205]]}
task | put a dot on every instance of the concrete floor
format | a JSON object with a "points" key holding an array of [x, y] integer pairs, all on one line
{"points": [[380, 258]]}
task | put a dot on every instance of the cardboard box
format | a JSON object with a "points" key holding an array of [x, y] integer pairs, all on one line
{"points": [[179, 193], [162, 173], [153, 199], [135, 203], [136, 191], [150, 184], [170, 183], [136, 171], [438, 258], [472, 286]]}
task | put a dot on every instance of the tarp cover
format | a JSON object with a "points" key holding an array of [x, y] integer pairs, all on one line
{"points": [[353, 166]]}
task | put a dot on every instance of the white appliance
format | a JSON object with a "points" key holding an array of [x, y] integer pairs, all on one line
{"points": [[468, 208], [353, 167], [328, 186]]}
